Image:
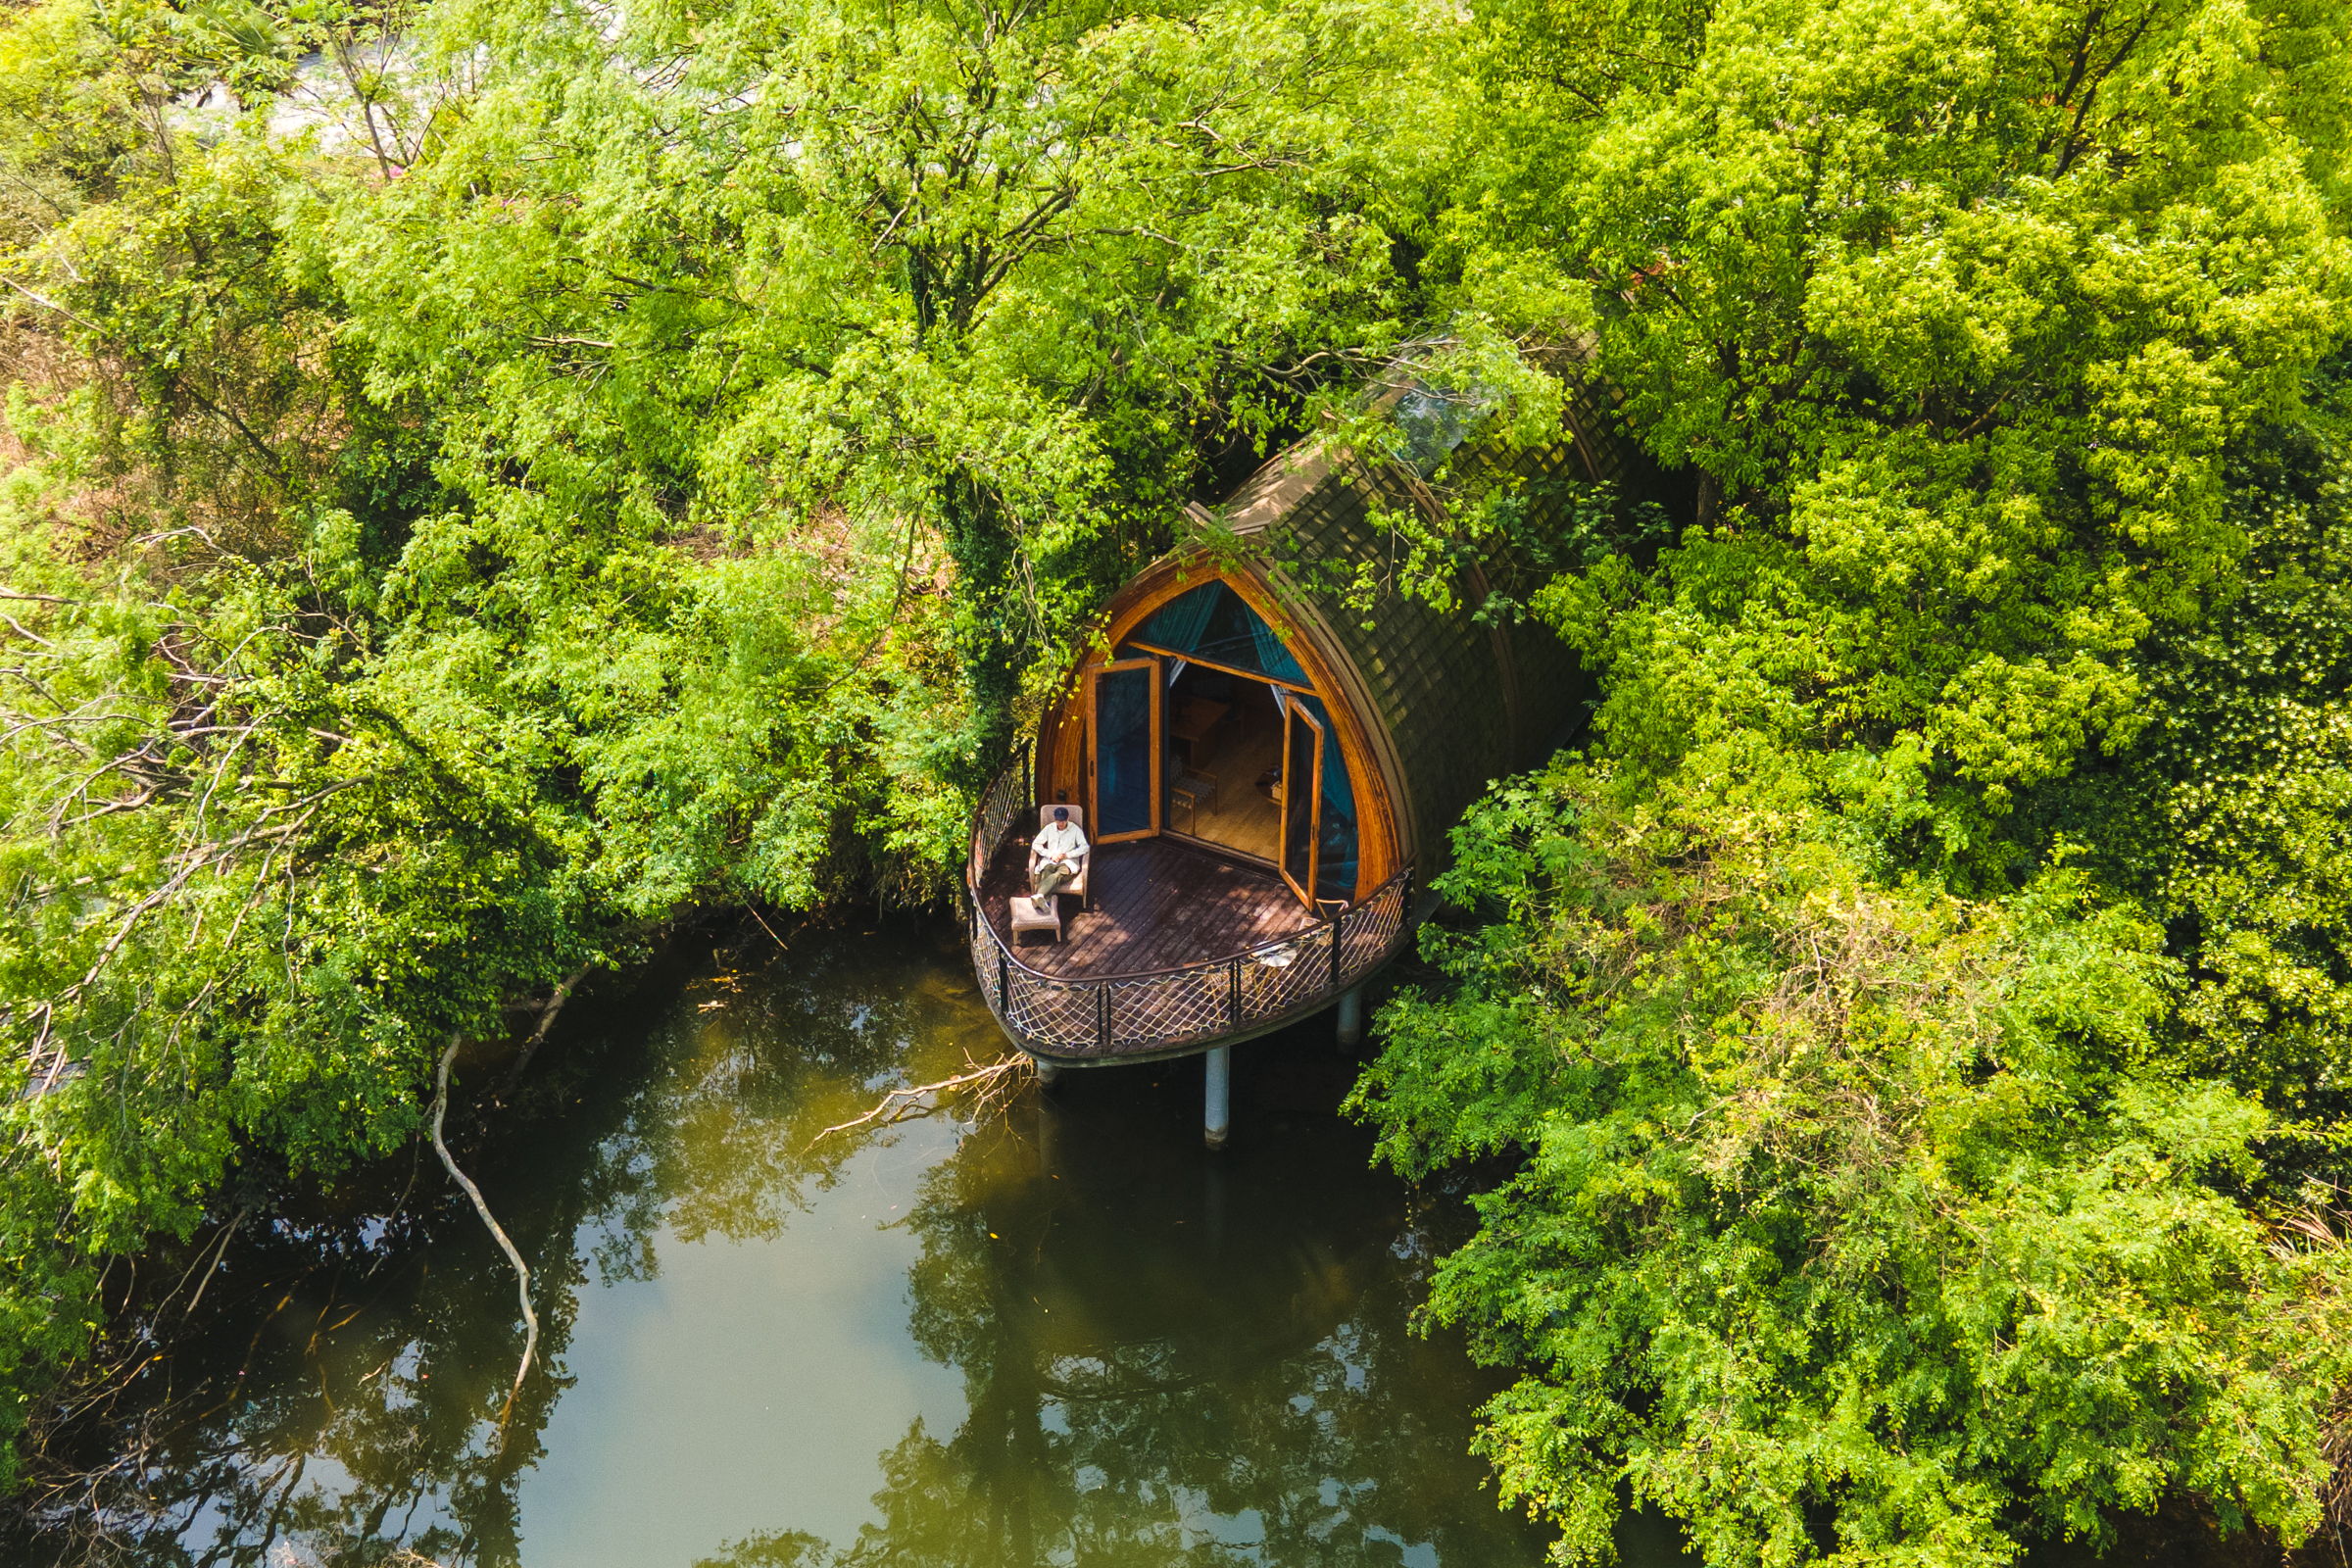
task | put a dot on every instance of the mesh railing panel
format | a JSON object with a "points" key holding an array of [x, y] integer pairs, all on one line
{"points": [[1284, 976], [984, 961], [1063, 1017], [1001, 806], [1370, 930], [1169, 1009]]}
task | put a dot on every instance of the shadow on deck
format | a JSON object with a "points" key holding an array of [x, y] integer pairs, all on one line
{"points": [[1158, 904]]}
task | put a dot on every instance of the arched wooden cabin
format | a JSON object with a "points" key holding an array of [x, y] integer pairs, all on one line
{"points": [[1222, 902]]}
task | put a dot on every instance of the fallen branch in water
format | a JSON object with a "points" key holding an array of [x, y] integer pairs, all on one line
{"points": [[217, 1257], [754, 911], [547, 1021], [523, 1273], [991, 1083]]}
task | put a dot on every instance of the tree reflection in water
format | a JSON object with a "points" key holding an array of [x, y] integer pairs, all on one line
{"points": [[1166, 1357], [1171, 1354]]}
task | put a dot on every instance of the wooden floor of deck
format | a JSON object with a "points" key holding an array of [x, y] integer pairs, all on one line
{"points": [[1156, 904]]}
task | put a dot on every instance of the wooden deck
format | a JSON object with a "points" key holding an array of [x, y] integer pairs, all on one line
{"points": [[1158, 904]]}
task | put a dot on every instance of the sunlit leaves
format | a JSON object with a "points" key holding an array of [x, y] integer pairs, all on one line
{"points": [[1837, 1205], [1873, 1188]]}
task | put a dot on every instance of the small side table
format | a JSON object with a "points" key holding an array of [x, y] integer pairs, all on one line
{"points": [[1262, 976]]}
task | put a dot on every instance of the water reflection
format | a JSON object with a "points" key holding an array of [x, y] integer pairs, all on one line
{"points": [[1164, 1347], [1068, 1334]]}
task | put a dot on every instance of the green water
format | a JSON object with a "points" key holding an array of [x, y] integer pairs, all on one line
{"points": [[1065, 1334]]}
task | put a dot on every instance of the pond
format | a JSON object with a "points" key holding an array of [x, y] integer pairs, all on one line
{"points": [[1061, 1333]]}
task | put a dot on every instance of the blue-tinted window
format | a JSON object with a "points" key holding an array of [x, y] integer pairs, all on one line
{"points": [[1217, 624]]}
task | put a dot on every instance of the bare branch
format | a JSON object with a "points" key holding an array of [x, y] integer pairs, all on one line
{"points": [[994, 1080], [547, 1021], [522, 1272]]}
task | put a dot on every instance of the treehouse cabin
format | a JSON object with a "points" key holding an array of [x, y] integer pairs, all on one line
{"points": [[1262, 770]]}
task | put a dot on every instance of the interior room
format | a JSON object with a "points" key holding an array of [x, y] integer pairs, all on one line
{"points": [[1225, 753]]}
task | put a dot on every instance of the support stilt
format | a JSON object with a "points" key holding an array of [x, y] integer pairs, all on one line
{"points": [[1047, 1071], [1351, 1016], [1216, 1121]]}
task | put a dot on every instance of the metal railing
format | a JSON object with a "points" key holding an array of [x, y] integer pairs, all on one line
{"points": [[1165, 1009], [1006, 800]]}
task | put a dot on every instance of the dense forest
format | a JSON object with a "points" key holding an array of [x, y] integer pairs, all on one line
{"points": [[488, 480]]}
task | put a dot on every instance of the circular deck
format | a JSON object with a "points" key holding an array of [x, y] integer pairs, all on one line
{"points": [[1156, 904], [1184, 948]]}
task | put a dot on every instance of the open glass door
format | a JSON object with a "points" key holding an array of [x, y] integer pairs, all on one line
{"points": [[1123, 782], [1301, 799]]}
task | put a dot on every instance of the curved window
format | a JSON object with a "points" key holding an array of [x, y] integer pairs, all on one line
{"points": [[1217, 624]]}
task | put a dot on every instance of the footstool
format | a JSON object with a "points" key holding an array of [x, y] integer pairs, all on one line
{"points": [[1035, 915]]}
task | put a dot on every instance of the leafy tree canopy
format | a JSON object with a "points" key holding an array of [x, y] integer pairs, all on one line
{"points": [[486, 481], [1913, 1022]]}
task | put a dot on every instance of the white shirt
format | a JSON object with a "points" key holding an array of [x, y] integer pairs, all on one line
{"points": [[1058, 840]]}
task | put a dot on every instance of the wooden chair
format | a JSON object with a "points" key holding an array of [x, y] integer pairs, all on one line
{"points": [[1086, 868], [1192, 789]]}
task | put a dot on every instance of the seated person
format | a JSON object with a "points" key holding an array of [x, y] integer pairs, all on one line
{"points": [[1057, 856]]}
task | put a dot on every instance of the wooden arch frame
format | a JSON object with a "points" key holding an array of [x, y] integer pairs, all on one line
{"points": [[1061, 731]]}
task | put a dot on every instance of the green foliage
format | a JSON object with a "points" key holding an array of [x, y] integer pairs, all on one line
{"points": [[754, 271], [524, 475], [1959, 358], [1914, 1033], [2226, 815], [514, 480], [1846, 1218], [67, 121]]}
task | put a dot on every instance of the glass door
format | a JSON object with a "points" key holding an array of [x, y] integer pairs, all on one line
{"points": [[1123, 772], [1301, 799]]}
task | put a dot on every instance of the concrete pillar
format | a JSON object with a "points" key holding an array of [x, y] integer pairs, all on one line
{"points": [[1048, 1072], [1217, 1119], [1351, 1016]]}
